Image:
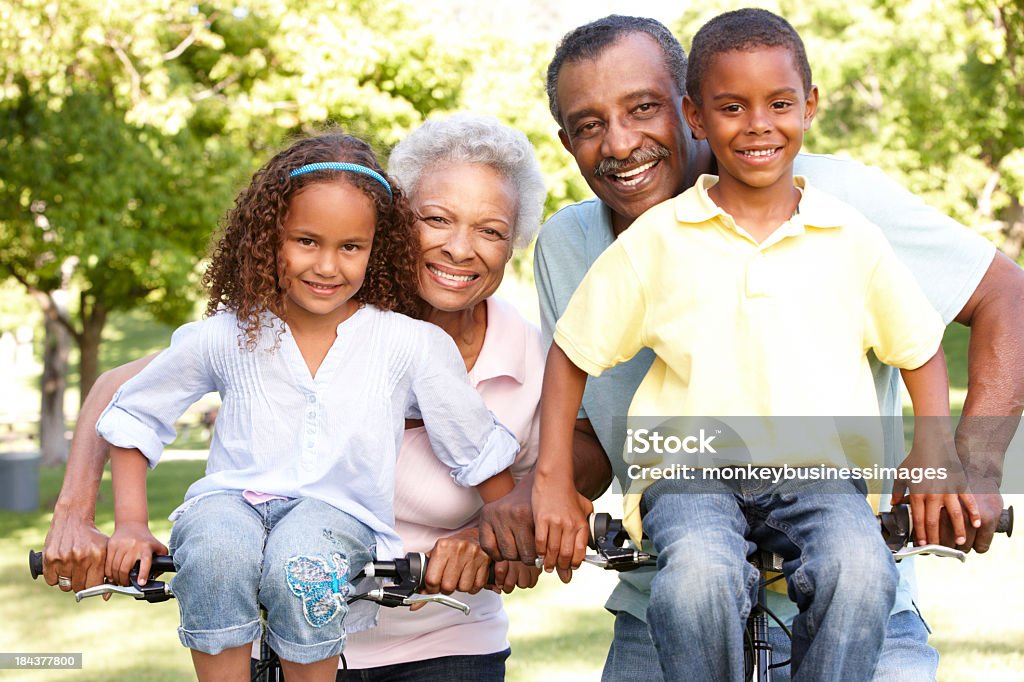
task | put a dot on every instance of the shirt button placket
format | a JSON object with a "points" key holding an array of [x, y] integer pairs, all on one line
{"points": [[308, 454]]}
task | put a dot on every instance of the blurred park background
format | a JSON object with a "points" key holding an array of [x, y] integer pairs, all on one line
{"points": [[127, 127]]}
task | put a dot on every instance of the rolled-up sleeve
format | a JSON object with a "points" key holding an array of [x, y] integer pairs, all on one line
{"points": [[463, 433], [143, 411]]}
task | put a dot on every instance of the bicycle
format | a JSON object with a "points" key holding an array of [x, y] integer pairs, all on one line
{"points": [[615, 553], [409, 573]]}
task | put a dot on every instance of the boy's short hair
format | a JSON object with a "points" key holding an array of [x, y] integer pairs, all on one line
{"points": [[739, 31], [590, 40]]}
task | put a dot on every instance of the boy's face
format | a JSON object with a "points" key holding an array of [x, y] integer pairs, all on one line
{"points": [[754, 112]]}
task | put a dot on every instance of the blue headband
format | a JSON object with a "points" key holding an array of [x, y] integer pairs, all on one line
{"points": [[334, 165]]}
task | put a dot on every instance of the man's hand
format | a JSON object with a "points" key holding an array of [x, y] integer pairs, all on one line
{"points": [[506, 525], [75, 549], [990, 506], [508, 575], [506, 532]]}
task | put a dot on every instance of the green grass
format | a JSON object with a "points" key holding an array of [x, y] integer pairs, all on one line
{"points": [[121, 639]]}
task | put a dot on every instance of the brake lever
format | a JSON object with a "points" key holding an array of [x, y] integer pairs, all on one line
{"points": [[620, 559], [387, 597], [937, 550], [153, 592], [442, 599], [98, 590]]}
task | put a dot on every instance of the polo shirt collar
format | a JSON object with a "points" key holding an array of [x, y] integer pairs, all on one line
{"points": [[816, 208]]}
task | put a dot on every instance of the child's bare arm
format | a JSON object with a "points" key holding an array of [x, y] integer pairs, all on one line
{"points": [[928, 386], [132, 541], [560, 512]]}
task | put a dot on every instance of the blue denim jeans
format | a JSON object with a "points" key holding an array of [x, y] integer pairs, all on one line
{"points": [[838, 570], [291, 556], [480, 668], [905, 657]]}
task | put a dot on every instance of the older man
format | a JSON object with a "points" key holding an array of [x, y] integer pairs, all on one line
{"points": [[615, 88]]}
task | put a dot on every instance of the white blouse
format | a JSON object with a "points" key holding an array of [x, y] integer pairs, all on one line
{"points": [[334, 437]]}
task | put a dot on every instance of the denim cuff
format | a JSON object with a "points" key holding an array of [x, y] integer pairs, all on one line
{"points": [[304, 653], [216, 641]]}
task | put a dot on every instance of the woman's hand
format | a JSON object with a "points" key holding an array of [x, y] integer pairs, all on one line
{"points": [[131, 542], [457, 564], [75, 549]]}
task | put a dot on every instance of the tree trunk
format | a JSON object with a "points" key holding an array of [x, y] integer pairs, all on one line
{"points": [[89, 346], [1013, 242], [53, 445]]}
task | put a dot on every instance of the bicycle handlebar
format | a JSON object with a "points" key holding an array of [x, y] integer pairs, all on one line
{"points": [[409, 571], [608, 537]]}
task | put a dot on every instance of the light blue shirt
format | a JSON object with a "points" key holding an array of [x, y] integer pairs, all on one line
{"points": [[947, 260], [333, 437]]}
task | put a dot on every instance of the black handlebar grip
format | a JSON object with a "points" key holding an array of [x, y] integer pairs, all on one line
{"points": [[35, 563], [1005, 524], [162, 563]]}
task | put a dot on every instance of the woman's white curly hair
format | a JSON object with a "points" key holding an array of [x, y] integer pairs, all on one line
{"points": [[474, 138]]}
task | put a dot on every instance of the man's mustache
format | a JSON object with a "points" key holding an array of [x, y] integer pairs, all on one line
{"points": [[609, 165]]}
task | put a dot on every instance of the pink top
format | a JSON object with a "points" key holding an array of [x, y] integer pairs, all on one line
{"points": [[428, 505]]}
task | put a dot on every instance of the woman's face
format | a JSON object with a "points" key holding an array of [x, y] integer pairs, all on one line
{"points": [[466, 215]]}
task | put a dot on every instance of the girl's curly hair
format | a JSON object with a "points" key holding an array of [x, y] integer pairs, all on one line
{"points": [[243, 273]]}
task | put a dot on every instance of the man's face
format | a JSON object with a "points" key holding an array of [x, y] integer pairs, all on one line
{"points": [[622, 121]]}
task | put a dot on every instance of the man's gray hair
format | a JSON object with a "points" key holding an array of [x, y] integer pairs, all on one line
{"points": [[476, 139], [590, 40]]}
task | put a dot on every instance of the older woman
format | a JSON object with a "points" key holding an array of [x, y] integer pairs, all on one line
{"points": [[477, 192]]}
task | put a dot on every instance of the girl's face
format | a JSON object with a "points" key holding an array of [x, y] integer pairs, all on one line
{"points": [[327, 238], [466, 214]]}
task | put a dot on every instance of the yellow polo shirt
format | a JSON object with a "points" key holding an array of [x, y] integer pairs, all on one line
{"points": [[780, 328]]}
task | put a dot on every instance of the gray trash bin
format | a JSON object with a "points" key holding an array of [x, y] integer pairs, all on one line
{"points": [[19, 481]]}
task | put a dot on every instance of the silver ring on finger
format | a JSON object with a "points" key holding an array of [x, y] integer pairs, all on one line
{"points": [[64, 582]]}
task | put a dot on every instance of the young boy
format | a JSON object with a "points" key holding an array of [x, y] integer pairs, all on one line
{"points": [[759, 297]]}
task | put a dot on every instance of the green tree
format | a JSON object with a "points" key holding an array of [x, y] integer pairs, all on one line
{"points": [[100, 210], [94, 210]]}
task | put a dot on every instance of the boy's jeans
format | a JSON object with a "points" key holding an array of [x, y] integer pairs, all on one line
{"points": [[839, 572], [906, 655]]}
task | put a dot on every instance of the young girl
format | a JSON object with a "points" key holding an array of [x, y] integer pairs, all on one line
{"points": [[316, 377]]}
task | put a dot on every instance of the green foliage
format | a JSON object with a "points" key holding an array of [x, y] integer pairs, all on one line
{"points": [[124, 134], [86, 191]]}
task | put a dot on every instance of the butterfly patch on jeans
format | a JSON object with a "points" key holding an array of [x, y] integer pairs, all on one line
{"points": [[321, 588]]}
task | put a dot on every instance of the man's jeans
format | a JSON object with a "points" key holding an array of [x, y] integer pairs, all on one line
{"points": [[906, 656], [838, 569]]}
